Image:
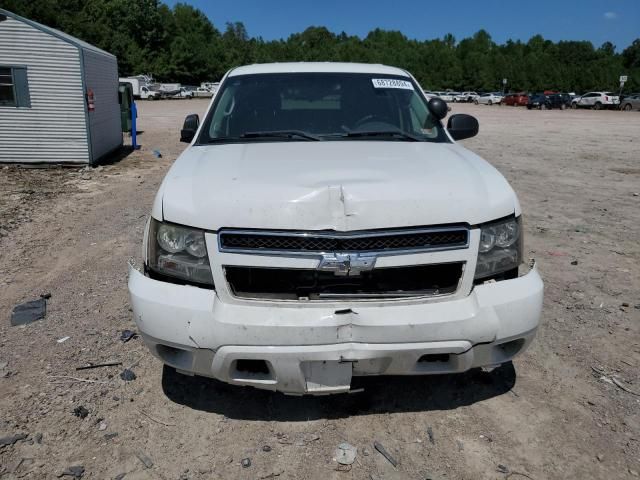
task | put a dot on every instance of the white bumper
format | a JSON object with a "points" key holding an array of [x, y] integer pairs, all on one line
{"points": [[317, 349]]}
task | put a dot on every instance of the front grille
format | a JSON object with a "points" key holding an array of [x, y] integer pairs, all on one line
{"points": [[260, 241], [307, 284]]}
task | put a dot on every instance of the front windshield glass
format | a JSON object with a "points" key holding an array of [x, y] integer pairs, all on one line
{"points": [[319, 106]]}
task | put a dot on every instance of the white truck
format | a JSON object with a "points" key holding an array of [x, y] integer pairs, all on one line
{"points": [[142, 88], [322, 224]]}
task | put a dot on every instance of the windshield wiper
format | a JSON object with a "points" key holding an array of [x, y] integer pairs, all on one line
{"points": [[384, 133], [281, 133]]}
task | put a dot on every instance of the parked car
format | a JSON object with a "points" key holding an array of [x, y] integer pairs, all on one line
{"points": [[516, 99], [202, 92], [468, 96], [596, 100], [446, 96], [455, 96], [537, 100], [488, 99], [184, 93], [323, 224], [558, 100], [630, 102]]}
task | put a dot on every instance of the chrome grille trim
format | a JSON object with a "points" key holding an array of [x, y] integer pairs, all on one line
{"points": [[316, 243]]}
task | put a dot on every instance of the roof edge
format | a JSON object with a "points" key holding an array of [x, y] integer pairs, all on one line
{"points": [[65, 37]]}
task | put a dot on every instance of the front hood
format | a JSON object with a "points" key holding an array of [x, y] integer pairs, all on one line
{"points": [[334, 185]]}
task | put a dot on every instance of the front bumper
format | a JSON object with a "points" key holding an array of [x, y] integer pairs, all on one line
{"points": [[316, 349]]}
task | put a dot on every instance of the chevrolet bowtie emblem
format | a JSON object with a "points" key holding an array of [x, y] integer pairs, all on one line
{"points": [[347, 264]]}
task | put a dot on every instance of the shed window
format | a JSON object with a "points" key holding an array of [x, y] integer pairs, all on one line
{"points": [[14, 87]]}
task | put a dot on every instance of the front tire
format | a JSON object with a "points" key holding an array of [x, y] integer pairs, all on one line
{"points": [[475, 102], [597, 106], [490, 103], [574, 106], [627, 107]]}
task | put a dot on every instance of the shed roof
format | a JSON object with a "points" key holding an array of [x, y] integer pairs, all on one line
{"points": [[57, 33]]}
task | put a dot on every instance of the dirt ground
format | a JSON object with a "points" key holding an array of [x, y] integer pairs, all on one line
{"points": [[561, 411]]}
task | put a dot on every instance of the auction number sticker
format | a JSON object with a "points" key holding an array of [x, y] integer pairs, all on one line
{"points": [[391, 83]]}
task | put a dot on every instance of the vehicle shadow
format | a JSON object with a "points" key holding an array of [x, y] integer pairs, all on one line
{"points": [[381, 395]]}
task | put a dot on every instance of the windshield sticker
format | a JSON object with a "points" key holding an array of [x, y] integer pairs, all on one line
{"points": [[391, 83]]}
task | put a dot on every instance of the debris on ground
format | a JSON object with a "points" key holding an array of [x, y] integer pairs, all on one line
{"points": [[102, 426], [430, 435], [575, 262], [38, 438], [46, 296], [63, 339], [378, 446], [80, 411], [4, 370], [29, 312], [98, 365], [266, 448], [11, 439], [76, 471], [110, 436], [127, 375], [305, 439], [157, 154], [621, 385], [245, 462], [345, 454], [127, 335], [502, 468], [147, 462], [365, 451]]}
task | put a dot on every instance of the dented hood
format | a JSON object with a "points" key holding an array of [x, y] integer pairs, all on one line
{"points": [[335, 185]]}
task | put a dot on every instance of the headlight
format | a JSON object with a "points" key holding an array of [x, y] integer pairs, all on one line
{"points": [[178, 252], [500, 248]]}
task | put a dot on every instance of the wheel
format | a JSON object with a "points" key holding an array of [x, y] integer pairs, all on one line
{"points": [[562, 106], [574, 105], [597, 106], [475, 102], [540, 107], [528, 107], [490, 103], [627, 107]]}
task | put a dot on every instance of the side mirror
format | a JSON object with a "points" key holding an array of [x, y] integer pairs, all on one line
{"points": [[438, 108], [189, 128], [461, 126]]}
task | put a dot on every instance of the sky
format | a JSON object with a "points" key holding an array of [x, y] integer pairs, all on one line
{"points": [[617, 21]]}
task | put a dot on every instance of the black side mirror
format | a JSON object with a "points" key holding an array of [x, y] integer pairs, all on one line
{"points": [[189, 128], [461, 126], [438, 108]]}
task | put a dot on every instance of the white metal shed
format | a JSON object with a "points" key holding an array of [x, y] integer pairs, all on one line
{"points": [[58, 96]]}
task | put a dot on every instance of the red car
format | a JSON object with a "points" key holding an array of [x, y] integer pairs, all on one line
{"points": [[516, 99]]}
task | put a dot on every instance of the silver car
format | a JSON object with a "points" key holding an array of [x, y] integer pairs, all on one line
{"points": [[630, 102]]}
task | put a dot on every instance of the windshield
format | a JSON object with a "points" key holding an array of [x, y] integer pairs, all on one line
{"points": [[319, 106]]}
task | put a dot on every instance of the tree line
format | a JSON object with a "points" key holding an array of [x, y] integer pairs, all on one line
{"points": [[181, 44]]}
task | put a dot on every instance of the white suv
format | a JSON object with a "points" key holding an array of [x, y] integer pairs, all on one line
{"points": [[596, 100], [323, 224]]}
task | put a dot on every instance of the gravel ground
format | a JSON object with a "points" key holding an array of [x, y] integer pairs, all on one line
{"points": [[561, 410]]}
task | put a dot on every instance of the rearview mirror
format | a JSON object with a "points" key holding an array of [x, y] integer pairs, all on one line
{"points": [[189, 128], [438, 108], [461, 126]]}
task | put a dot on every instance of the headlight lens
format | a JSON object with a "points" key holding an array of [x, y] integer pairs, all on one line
{"points": [[500, 247], [178, 252]]}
